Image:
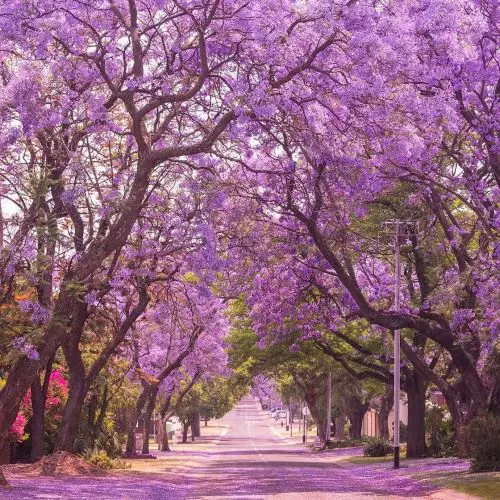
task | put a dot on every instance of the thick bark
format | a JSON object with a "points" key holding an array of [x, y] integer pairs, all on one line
{"points": [[139, 405], [357, 409], [415, 390], [96, 424], [5, 452], [131, 446], [3, 481], [23, 372], [386, 405], [148, 413], [340, 427], [356, 422], [196, 425], [165, 446], [1, 238], [69, 425], [68, 429], [314, 403], [192, 424], [37, 423], [185, 430]]}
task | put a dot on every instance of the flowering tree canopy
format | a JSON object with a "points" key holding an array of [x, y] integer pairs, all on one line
{"points": [[160, 158]]}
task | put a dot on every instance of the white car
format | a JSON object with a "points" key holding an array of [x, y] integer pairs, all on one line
{"points": [[280, 414], [274, 410]]}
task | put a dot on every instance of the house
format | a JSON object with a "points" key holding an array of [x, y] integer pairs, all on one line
{"points": [[370, 425]]}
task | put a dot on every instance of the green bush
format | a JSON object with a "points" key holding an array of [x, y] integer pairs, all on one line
{"points": [[439, 429], [345, 443], [403, 433], [377, 447], [483, 441], [101, 459]]}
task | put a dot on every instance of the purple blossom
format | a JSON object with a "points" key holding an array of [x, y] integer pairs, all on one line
{"points": [[25, 347]]}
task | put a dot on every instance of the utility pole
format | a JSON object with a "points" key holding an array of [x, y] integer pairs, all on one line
{"points": [[305, 413], [304, 429], [397, 346], [1, 226], [328, 407], [402, 229]]}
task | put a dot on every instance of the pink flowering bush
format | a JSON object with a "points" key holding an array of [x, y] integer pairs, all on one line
{"points": [[17, 430], [54, 404]]}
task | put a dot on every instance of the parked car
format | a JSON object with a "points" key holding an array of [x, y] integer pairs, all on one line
{"points": [[280, 414], [275, 409]]}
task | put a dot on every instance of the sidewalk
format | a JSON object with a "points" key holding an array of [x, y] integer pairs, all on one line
{"points": [[181, 454], [293, 435]]}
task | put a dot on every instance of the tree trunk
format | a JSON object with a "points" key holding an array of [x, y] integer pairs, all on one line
{"points": [[139, 405], [416, 387], [130, 447], [5, 452], [206, 421], [356, 423], [68, 429], [37, 420], [458, 419], [357, 410], [96, 425], [147, 419], [386, 404], [340, 427], [3, 481], [196, 425], [19, 380], [163, 444], [185, 429], [314, 403], [192, 425]]}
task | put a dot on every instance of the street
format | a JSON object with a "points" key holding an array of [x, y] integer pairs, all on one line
{"points": [[248, 457], [252, 461]]}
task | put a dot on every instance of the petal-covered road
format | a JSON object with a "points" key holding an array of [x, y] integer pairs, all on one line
{"points": [[249, 460]]}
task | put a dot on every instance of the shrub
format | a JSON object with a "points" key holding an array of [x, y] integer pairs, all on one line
{"points": [[403, 433], [377, 447], [103, 460], [344, 443], [99, 458], [483, 441], [439, 429]]}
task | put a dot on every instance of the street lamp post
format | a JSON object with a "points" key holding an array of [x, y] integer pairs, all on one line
{"points": [[328, 407], [401, 230], [305, 413], [304, 429], [397, 345]]}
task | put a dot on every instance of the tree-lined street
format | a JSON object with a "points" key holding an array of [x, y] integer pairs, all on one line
{"points": [[205, 199], [250, 458]]}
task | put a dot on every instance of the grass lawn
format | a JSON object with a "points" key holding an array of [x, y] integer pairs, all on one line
{"points": [[485, 485], [369, 460], [481, 485], [155, 465]]}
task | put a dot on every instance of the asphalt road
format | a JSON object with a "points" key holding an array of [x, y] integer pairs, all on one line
{"points": [[253, 461], [249, 460]]}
